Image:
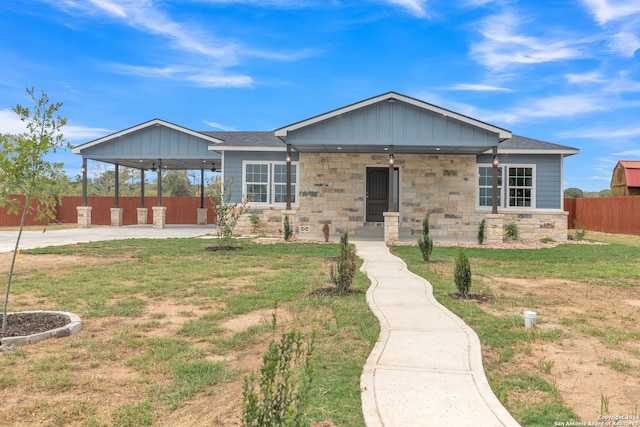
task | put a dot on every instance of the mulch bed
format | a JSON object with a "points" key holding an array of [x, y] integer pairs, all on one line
{"points": [[479, 298], [221, 248], [22, 324], [332, 291]]}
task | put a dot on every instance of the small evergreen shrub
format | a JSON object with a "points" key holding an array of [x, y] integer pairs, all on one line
{"points": [[462, 272], [284, 385], [325, 231], [288, 231], [345, 269], [481, 230], [581, 232], [512, 232], [254, 218], [425, 242]]}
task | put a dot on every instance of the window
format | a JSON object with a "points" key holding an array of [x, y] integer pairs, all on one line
{"points": [[266, 182], [485, 186], [516, 191], [280, 183], [520, 187], [257, 182]]}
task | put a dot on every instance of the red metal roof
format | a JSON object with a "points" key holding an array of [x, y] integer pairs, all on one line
{"points": [[633, 177]]}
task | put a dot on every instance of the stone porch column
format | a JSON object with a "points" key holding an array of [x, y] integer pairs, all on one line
{"points": [[494, 232], [142, 215], [202, 216], [116, 217], [159, 216], [391, 227], [84, 216]]}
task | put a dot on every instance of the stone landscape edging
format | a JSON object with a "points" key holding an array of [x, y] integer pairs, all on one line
{"points": [[74, 326]]}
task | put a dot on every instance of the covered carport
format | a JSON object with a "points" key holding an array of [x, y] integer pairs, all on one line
{"points": [[153, 146]]}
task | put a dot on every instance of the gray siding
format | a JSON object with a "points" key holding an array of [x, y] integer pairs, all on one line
{"points": [[399, 123], [548, 176], [233, 165], [155, 140]]}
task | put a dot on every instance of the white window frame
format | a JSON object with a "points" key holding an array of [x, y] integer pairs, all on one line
{"points": [[271, 184], [504, 189]]}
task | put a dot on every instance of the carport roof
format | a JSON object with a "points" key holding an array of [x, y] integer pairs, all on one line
{"points": [[146, 145]]}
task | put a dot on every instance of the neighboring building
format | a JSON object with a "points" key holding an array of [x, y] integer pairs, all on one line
{"points": [[351, 166], [625, 180]]}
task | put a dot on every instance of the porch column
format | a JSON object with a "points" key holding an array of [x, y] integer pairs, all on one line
{"points": [[159, 203], [84, 211], [116, 212], [391, 227], [142, 211], [391, 207], [494, 182], [159, 211], [288, 160], [84, 181], [202, 211]]}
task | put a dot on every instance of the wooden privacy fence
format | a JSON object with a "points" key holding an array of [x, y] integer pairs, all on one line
{"points": [[180, 210], [618, 215]]}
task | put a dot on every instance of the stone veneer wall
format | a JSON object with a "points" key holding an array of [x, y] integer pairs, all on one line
{"points": [[332, 191]]}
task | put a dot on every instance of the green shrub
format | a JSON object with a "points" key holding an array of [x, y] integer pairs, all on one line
{"points": [[481, 229], [512, 232], [425, 242], [462, 272], [345, 269], [288, 231], [581, 232], [284, 385], [254, 218]]}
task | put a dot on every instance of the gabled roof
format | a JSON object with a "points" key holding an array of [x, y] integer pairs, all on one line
{"points": [[155, 122], [523, 145], [631, 171], [246, 141], [392, 96]]}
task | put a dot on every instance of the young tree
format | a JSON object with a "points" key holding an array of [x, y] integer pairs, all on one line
{"points": [[25, 171]]}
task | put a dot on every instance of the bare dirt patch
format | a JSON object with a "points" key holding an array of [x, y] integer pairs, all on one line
{"points": [[599, 361]]}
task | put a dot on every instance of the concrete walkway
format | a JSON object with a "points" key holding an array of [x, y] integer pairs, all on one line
{"points": [[52, 237], [426, 368]]}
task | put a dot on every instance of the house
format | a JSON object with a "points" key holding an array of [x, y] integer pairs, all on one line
{"points": [[375, 167], [625, 180]]}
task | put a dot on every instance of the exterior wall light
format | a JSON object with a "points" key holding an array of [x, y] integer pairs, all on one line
{"points": [[391, 159], [288, 157], [495, 161]]}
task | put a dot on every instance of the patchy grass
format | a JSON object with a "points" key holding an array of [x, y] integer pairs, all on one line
{"points": [[153, 350], [587, 300]]}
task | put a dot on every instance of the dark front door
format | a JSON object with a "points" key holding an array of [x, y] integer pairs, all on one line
{"points": [[377, 193]]}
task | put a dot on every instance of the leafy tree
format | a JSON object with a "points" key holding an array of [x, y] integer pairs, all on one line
{"points": [[177, 183], [24, 170], [573, 193], [605, 193]]}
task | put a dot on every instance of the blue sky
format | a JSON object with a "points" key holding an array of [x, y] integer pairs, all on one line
{"points": [[564, 71]]}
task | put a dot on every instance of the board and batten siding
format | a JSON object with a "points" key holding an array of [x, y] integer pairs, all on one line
{"points": [[387, 123], [548, 183], [166, 142], [232, 164]]}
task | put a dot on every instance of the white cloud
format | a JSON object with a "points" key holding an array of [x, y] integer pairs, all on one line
{"points": [[479, 87], [604, 133], [504, 44], [219, 126], [190, 74], [11, 123], [611, 10], [625, 43], [415, 7], [592, 77]]}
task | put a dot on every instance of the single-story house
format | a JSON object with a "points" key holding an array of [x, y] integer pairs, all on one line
{"points": [[374, 166], [625, 180]]}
